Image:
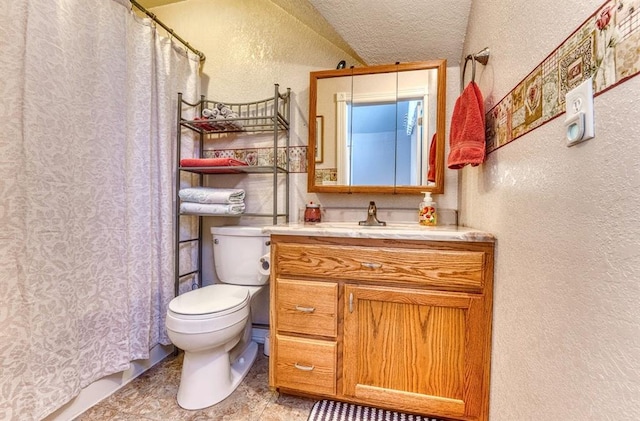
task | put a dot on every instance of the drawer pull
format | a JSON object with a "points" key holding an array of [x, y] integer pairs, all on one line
{"points": [[370, 265], [304, 367], [306, 309]]}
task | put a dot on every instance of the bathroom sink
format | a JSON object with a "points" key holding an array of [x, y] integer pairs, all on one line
{"points": [[355, 225], [393, 230]]}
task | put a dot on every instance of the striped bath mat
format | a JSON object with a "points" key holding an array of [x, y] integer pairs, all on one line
{"points": [[327, 410]]}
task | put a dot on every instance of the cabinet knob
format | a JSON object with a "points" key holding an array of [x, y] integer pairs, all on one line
{"points": [[306, 309], [304, 367]]}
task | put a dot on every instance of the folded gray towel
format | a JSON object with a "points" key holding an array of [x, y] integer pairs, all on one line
{"points": [[211, 195], [212, 208], [220, 113]]}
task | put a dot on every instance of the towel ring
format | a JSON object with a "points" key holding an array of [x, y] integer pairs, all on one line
{"points": [[481, 56]]}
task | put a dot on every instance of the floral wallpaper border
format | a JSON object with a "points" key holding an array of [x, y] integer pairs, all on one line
{"points": [[264, 156], [606, 47]]}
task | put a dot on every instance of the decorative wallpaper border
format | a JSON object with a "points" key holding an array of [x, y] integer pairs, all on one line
{"points": [[606, 47], [264, 156], [324, 175]]}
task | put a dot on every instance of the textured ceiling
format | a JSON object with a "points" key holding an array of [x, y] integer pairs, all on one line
{"points": [[399, 30], [306, 13], [381, 32]]}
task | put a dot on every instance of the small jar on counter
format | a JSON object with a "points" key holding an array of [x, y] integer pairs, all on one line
{"points": [[312, 213]]}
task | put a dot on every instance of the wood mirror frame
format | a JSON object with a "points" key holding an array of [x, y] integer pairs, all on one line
{"points": [[320, 124]]}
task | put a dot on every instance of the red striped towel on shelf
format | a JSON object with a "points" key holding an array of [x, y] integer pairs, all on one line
{"points": [[213, 162]]}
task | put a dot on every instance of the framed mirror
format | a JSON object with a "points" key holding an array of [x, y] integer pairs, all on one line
{"points": [[378, 129]]}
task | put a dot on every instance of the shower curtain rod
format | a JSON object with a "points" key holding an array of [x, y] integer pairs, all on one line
{"points": [[169, 30]]}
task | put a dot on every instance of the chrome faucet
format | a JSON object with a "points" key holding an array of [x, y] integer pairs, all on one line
{"points": [[372, 217]]}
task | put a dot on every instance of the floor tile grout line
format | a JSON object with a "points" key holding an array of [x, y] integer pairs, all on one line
{"points": [[268, 402]]}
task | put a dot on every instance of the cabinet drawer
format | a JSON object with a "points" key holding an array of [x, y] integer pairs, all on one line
{"points": [[306, 365], [450, 269], [308, 308]]}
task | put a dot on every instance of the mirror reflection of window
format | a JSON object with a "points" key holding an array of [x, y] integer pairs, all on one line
{"points": [[369, 150], [384, 137]]}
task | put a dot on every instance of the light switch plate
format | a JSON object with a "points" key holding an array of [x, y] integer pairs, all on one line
{"points": [[579, 124]]}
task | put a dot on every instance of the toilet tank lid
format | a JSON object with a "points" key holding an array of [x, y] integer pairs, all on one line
{"points": [[239, 230]]}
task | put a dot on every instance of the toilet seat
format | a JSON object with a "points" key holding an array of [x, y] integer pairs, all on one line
{"points": [[208, 309], [210, 302]]}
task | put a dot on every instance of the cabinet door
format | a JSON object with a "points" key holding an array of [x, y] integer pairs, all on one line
{"points": [[420, 350]]}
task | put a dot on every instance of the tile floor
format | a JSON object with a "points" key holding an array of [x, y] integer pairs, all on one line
{"points": [[152, 396]]}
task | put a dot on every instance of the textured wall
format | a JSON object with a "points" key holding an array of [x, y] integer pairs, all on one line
{"points": [[250, 45], [566, 342]]}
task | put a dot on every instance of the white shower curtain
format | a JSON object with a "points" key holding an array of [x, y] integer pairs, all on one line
{"points": [[87, 145]]}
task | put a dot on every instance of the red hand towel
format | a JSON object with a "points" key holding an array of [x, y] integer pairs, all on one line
{"points": [[213, 162], [431, 173], [467, 138]]}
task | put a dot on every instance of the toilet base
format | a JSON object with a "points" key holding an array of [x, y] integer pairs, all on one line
{"points": [[207, 380]]}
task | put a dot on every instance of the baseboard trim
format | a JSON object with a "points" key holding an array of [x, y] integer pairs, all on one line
{"points": [[258, 334]]}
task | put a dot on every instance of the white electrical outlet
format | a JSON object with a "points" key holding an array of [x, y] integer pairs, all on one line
{"points": [[579, 118]]}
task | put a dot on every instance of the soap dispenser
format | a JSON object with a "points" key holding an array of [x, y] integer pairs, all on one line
{"points": [[427, 214]]}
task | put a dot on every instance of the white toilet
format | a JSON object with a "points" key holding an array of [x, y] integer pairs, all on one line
{"points": [[212, 324]]}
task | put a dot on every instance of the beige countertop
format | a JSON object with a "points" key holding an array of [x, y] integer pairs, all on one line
{"points": [[393, 230]]}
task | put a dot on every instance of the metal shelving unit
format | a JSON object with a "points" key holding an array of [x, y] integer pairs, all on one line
{"points": [[270, 115]]}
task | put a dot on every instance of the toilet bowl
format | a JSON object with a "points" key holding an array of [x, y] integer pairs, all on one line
{"points": [[212, 324]]}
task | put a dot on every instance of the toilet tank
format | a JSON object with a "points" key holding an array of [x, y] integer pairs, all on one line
{"points": [[236, 254]]}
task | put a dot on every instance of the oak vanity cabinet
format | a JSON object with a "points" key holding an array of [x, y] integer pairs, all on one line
{"points": [[399, 324]]}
